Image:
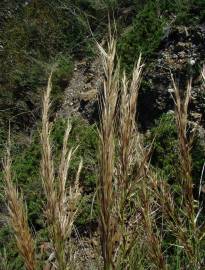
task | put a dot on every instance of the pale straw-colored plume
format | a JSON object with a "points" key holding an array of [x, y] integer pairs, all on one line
{"points": [[18, 216], [62, 201]]}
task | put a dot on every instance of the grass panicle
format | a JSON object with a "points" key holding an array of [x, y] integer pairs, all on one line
{"points": [[107, 102], [18, 219], [145, 221], [61, 201]]}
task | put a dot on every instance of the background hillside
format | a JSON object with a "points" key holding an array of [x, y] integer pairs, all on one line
{"points": [[37, 37]]}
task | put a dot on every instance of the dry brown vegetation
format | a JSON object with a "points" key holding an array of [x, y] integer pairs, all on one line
{"points": [[61, 200], [137, 207], [141, 216]]}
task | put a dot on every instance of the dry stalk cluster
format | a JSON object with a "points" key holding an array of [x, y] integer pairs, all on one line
{"points": [[143, 220], [120, 156], [61, 200], [139, 211], [18, 216]]}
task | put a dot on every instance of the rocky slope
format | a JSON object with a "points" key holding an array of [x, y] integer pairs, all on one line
{"points": [[80, 97], [182, 52]]}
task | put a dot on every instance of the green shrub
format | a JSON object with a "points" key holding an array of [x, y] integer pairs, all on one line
{"points": [[63, 71], [148, 27], [144, 36], [165, 155], [185, 11], [32, 39]]}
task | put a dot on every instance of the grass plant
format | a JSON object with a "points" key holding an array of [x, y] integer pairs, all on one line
{"points": [[61, 199], [145, 222]]}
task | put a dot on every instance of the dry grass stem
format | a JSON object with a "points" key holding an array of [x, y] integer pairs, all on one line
{"points": [[107, 103], [62, 202], [185, 144], [18, 217]]}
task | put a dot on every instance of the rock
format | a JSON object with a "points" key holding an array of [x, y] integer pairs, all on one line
{"points": [[88, 95], [181, 53], [81, 94]]}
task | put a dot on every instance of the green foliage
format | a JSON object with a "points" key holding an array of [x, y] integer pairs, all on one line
{"points": [[63, 71], [26, 162], [165, 156], [26, 165], [88, 212], [33, 39], [186, 11], [198, 157], [8, 246], [144, 36], [85, 138], [148, 26], [166, 160], [61, 76]]}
